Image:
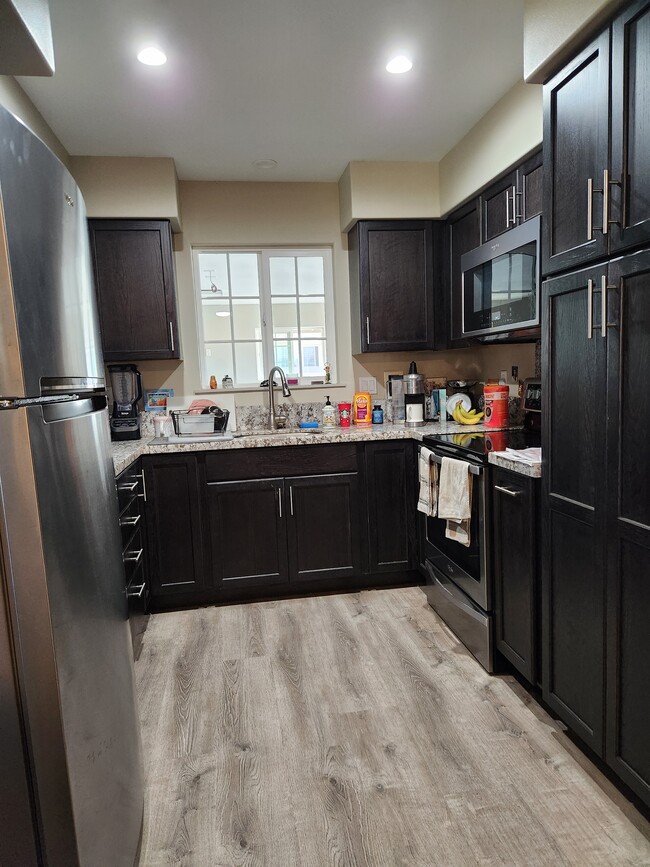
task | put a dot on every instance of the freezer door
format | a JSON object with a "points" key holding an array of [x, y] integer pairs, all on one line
{"points": [[65, 583], [49, 331]]}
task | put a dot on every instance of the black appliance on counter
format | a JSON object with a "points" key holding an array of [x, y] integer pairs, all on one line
{"points": [[126, 385], [459, 580], [501, 286]]}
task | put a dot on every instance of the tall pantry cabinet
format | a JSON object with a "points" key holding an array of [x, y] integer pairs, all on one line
{"points": [[596, 326]]}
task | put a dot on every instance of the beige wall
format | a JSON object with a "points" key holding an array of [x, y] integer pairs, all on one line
{"points": [[511, 129], [14, 98], [129, 187], [388, 190], [554, 29], [298, 214]]}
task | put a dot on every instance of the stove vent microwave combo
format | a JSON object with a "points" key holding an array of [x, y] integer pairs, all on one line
{"points": [[501, 282]]}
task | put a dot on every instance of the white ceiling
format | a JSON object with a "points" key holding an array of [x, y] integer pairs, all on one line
{"points": [[298, 81]]}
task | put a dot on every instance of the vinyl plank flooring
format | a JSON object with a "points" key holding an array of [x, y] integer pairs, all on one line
{"points": [[356, 731]]}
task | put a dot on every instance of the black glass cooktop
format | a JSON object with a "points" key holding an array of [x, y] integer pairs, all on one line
{"points": [[477, 444]]}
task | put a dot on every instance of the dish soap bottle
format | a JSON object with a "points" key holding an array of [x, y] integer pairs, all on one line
{"points": [[329, 413]]}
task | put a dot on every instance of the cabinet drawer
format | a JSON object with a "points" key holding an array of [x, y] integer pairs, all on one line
{"points": [[129, 488], [264, 463], [130, 520]]}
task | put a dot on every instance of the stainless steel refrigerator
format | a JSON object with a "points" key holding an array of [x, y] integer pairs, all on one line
{"points": [[71, 783]]}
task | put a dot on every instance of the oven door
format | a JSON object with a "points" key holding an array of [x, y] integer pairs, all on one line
{"points": [[467, 567]]}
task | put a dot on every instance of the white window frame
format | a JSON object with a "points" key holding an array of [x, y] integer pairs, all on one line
{"points": [[264, 254]]}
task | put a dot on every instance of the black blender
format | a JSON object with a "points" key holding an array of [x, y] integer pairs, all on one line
{"points": [[126, 385]]}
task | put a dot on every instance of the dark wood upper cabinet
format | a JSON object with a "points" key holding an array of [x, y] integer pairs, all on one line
{"points": [[597, 201], [499, 206], [463, 235], [134, 279], [630, 129], [514, 508], [513, 199], [576, 153], [573, 510], [392, 285]]}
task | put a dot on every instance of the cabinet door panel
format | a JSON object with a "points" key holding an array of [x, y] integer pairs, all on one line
{"points": [[390, 473], [174, 515], [464, 235], [530, 177], [574, 684], [576, 148], [500, 206], [573, 573], [248, 532], [514, 569], [323, 527], [630, 207], [135, 289], [628, 529], [396, 277]]}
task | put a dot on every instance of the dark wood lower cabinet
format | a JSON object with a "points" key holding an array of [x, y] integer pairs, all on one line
{"points": [[390, 474], [131, 497], [514, 509], [323, 527], [247, 532], [175, 506]]}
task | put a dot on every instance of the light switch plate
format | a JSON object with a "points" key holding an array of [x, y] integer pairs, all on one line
{"points": [[368, 383]]}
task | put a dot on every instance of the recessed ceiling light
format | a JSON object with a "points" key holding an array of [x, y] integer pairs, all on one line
{"points": [[152, 56], [399, 64], [265, 164], [222, 313]]}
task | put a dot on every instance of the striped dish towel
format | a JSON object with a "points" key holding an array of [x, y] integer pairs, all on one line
{"points": [[428, 475]]}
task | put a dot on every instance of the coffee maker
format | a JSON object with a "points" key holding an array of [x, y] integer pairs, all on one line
{"points": [[126, 385]]}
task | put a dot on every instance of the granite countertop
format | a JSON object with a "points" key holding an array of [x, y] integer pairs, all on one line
{"points": [[533, 471], [126, 453]]}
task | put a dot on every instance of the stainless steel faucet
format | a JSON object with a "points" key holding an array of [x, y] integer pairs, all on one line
{"points": [[277, 421]]}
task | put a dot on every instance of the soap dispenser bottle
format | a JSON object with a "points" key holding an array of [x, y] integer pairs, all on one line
{"points": [[329, 414]]}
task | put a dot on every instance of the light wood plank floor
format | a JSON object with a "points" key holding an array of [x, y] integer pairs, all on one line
{"points": [[354, 730]]}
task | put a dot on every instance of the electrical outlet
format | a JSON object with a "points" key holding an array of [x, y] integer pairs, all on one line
{"points": [[368, 383]]}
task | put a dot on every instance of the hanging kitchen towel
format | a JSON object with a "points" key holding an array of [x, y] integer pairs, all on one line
{"points": [[428, 475], [455, 499]]}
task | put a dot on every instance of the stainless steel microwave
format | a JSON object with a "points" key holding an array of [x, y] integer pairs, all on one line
{"points": [[501, 282]]}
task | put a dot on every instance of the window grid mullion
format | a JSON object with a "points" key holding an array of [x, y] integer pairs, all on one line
{"points": [[295, 267], [267, 310]]}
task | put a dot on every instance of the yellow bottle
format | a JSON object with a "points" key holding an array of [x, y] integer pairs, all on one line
{"points": [[361, 408]]}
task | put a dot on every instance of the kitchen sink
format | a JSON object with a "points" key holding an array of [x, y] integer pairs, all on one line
{"points": [[267, 432]]}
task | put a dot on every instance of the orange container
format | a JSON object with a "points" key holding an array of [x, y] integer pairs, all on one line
{"points": [[496, 405], [362, 408]]}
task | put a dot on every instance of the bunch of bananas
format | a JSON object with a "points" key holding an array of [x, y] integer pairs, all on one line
{"points": [[464, 439], [463, 417]]}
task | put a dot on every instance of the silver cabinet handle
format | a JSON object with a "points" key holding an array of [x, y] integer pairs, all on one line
{"points": [[590, 209], [368, 330], [514, 205], [507, 209], [171, 335], [136, 591], [125, 486], [133, 558], [603, 305], [130, 522], [605, 201], [280, 501], [291, 498], [508, 491], [590, 308], [144, 485]]}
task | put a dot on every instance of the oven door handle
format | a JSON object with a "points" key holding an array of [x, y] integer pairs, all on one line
{"points": [[476, 471]]}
